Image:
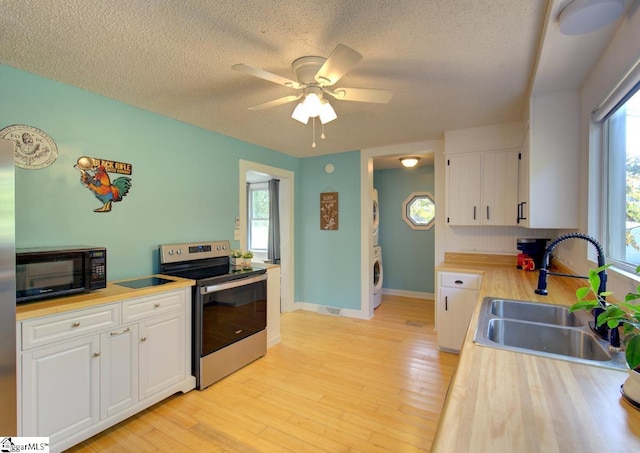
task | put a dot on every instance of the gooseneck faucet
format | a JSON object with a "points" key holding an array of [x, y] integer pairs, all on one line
{"points": [[542, 281]]}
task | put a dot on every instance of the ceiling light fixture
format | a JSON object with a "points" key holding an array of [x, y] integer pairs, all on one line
{"points": [[585, 16], [314, 105], [409, 161]]}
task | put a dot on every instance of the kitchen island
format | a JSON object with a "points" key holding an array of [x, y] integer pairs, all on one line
{"points": [[507, 401]]}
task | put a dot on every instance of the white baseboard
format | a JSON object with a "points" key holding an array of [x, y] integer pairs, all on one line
{"points": [[331, 311], [405, 293]]}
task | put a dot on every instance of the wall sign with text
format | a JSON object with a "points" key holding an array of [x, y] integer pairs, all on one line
{"points": [[329, 211], [94, 175]]}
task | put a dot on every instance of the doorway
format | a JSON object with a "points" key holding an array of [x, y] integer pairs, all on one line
{"points": [[367, 157], [287, 185]]}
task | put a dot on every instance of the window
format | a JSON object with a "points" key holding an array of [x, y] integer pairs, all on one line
{"points": [[621, 224], [419, 211], [258, 216]]}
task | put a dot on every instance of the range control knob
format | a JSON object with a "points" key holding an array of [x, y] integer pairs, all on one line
{"points": [[170, 252], [179, 251]]}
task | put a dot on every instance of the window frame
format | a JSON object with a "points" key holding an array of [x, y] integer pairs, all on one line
{"points": [[255, 187], [599, 137], [407, 217]]}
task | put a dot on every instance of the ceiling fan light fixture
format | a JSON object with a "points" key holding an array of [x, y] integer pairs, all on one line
{"points": [[312, 104], [327, 114], [409, 161], [300, 114]]}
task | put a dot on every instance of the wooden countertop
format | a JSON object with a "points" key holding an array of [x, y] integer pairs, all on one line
{"points": [[506, 401], [112, 293]]}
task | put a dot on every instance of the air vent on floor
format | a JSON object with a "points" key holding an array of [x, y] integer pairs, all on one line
{"points": [[333, 311]]}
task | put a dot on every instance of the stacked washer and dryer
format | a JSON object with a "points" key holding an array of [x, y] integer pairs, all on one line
{"points": [[376, 257]]}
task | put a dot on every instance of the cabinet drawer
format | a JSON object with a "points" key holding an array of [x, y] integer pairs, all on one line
{"points": [[152, 305], [49, 329], [466, 281]]}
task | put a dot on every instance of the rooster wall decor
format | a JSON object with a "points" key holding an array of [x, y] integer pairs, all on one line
{"points": [[96, 179]]}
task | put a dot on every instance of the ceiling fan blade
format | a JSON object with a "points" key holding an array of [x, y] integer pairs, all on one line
{"points": [[341, 60], [361, 95], [275, 102], [265, 75]]}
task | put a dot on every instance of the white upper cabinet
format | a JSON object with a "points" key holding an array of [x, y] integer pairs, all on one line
{"points": [[482, 175], [549, 167]]}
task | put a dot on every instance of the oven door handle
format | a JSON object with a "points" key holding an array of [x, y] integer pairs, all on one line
{"points": [[232, 284]]}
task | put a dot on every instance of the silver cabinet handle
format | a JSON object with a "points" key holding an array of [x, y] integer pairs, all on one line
{"points": [[76, 324], [96, 354], [143, 339], [157, 304], [119, 332]]}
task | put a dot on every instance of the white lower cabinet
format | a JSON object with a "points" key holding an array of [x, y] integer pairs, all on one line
{"points": [[162, 356], [118, 374], [61, 388], [92, 376], [457, 298]]}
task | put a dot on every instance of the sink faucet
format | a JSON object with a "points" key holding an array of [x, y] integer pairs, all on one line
{"points": [[603, 330]]}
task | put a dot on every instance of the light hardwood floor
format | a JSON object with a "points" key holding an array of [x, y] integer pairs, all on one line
{"points": [[333, 385]]}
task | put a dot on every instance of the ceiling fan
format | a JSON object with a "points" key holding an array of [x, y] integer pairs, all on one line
{"points": [[316, 77]]}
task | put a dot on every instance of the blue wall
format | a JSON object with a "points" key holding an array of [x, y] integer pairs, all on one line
{"points": [[185, 179], [407, 255], [185, 187], [328, 262]]}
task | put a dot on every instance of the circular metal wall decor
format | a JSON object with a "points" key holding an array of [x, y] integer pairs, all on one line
{"points": [[34, 148]]}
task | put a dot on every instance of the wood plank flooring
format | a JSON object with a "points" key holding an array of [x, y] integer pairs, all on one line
{"points": [[333, 385]]}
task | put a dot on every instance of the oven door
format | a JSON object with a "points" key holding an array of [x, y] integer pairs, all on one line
{"points": [[230, 312]]}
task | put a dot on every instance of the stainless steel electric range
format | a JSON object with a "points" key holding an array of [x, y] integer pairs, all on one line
{"points": [[229, 307]]}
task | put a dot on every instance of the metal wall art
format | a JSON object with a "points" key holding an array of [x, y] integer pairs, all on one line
{"points": [[94, 175], [34, 148]]}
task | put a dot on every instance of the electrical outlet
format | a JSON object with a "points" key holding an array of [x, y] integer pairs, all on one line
{"points": [[236, 235]]}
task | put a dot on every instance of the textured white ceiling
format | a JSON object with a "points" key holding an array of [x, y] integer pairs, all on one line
{"points": [[450, 63]]}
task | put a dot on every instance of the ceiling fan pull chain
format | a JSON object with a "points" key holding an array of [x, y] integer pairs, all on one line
{"points": [[313, 144], [322, 136]]}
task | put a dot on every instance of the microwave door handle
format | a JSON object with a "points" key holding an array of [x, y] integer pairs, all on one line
{"points": [[232, 284]]}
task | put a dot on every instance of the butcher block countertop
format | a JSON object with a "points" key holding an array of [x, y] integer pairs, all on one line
{"points": [[501, 401], [112, 293]]}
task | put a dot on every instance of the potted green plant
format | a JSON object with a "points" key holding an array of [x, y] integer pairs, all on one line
{"points": [[616, 314], [236, 257], [247, 256]]}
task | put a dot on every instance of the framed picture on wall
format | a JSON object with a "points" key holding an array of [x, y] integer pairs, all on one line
{"points": [[329, 211]]}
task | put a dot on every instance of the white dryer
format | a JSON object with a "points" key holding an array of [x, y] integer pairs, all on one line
{"points": [[378, 274], [376, 215]]}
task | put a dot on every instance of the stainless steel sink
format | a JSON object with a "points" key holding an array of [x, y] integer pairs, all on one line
{"points": [[546, 338], [534, 312], [544, 330]]}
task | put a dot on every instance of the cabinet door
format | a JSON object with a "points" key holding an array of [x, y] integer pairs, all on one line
{"points": [[455, 308], [162, 353], [60, 391], [523, 183], [118, 371], [500, 188], [464, 176]]}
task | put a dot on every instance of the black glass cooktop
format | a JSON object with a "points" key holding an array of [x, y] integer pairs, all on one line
{"points": [[145, 282]]}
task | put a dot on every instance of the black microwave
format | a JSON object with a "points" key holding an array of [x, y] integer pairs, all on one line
{"points": [[42, 273]]}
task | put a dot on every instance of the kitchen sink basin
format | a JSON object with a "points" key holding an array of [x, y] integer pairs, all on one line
{"points": [[544, 330], [547, 339], [535, 312]]}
